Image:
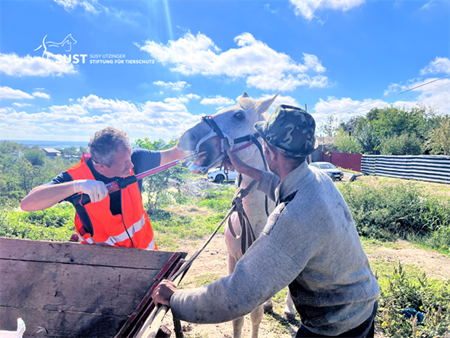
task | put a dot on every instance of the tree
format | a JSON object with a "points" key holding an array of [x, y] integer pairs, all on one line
{"points": [[330, 127], [405, 144], [390, 121], [35, 157], [347, 144], [8, 147], [440, 137], [350, 125], [364, 134]]}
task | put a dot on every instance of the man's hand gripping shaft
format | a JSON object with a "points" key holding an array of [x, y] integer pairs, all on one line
{"points": [[95, 189]]}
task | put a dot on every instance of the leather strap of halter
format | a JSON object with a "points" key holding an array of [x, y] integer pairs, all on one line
{"points": [[210, 121], [247, 235]]}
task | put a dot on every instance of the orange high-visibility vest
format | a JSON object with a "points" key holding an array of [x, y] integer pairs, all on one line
{"points": [[109, 229]]}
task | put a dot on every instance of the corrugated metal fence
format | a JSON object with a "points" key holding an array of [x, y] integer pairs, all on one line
{"points": [[423, 167]]}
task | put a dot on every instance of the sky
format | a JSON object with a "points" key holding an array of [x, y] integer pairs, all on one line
{"points": [[152, 68]]}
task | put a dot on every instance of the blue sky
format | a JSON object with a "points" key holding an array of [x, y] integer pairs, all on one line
{"points": [[152, 68]]}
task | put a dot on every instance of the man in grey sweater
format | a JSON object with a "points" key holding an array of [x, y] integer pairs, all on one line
{"points": [[309, 243]]}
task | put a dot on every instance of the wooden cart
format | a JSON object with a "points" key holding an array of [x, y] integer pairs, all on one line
{"points": [[75, 290]]}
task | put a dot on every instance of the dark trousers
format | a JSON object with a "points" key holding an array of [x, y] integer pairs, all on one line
{"points": [[365, 330]]}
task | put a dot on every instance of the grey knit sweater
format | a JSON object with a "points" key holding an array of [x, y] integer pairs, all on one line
{"points": [[310, 244]]}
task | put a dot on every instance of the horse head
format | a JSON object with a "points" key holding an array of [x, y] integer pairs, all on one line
{"points": [[235, 122]]}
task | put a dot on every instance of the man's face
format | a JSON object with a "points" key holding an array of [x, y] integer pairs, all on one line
{"points": [[122, 164]]}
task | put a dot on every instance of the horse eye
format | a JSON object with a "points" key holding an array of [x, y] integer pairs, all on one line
{"points": [[240, 116]]}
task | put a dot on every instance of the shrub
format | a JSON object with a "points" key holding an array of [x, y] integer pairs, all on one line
{"points": [[408, 291], [405, 144], [348, 145], [53, 224], [398, 209]]}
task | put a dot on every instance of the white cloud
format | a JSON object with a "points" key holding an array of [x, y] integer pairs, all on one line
{"points": [[307, 8], [282, 100], [74, 109], [94, 7], [21, 104], [312, 62], [72, 4], [436, 95], [16, 94], [192, 96], [93, 102], [267, 7], [41, 95], [176, 100], [428, 5], [344, 108], [217, 100], [150, 119], [439, 65], [173, 85], [260, 65], [14, 65]]}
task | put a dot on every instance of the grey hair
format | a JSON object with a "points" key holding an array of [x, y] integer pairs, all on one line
{"points": [[103, 145]]}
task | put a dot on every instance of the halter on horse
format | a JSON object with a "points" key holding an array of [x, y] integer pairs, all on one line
{"points": [[224, 143]]}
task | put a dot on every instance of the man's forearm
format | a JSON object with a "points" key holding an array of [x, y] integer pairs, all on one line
{"points": [[171, 155], [45, 196], [251, 172], [242, 168]]}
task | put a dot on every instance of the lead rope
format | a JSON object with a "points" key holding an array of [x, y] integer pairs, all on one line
{"points": [[237, 199]]}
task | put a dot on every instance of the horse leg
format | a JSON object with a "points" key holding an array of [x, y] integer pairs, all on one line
{"points": [[289, 310], [256, 316], [268, 306], [238, 324]]}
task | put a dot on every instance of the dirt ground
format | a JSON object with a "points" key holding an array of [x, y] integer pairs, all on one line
{"points": [[214, 261]]}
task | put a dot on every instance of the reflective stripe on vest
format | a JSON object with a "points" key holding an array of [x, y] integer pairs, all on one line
{"points": [[124, 235], [152, 245]]}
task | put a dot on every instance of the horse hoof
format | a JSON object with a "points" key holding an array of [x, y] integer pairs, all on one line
{"points": [[289, 316], [268, 308]]}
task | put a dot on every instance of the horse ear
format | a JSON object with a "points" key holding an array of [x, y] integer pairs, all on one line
{"points": [[265, 104], [245, 95]]}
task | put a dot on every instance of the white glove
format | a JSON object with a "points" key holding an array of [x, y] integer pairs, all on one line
{"points": [[95, 189]]}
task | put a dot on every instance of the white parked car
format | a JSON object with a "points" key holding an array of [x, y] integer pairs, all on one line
{"points": [[329, 169], [219, 176]]}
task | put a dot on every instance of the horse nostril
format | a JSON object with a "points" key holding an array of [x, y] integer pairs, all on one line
{"points": [[188, 141]]}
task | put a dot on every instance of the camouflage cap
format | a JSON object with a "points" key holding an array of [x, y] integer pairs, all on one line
{"points": [[289, 129]]}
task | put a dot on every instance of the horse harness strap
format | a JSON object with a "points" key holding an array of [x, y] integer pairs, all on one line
{"points": [[247, 235]]}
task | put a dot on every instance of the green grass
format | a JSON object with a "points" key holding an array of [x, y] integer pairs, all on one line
{"points": [[53, 224], [219, 200], [205, 279]]}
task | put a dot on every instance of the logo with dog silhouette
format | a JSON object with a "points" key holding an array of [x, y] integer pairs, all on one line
{"points": [[67, 43]]}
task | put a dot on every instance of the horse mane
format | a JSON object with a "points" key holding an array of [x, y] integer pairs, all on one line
{"points": [[247, 103]]}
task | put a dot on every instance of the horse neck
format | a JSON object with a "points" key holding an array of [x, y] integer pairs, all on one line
{"points": [[254, 161], [254, 202]]}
